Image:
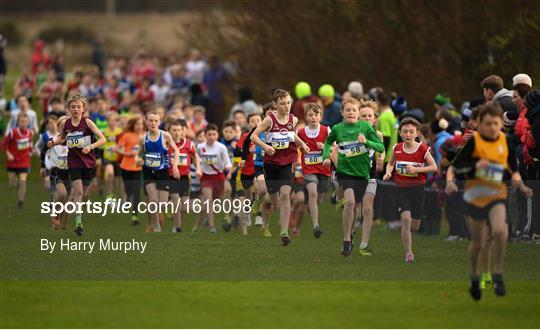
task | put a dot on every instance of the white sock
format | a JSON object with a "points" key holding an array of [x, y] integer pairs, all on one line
{"points": [[363, 245]]}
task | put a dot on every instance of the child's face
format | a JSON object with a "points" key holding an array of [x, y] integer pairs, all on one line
{"points": [[408, 133], [313, 118], [152, 122], [112, 121], [175, 132], [23, 103], [283, 105], [490, 126], [240, 119], [211, 136], [254, 121], [229, 133], [23, 123], [51, 125], [139, 126], [367, 114], [201, 138], [76, 109], [198, 116], [350, 113], [188, 112]]}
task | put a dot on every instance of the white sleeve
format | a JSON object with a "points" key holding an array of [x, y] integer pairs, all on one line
{"points": [[225, 156]]}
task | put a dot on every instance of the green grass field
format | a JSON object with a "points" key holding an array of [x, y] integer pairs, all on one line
{"points": [[230, 281]]}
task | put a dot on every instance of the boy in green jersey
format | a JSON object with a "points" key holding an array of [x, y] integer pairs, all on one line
{"points": [[354, 139]]}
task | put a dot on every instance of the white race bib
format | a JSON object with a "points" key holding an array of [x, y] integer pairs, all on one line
{"points": [[153, 160], [182, 159], [353, 149], [23, 144], [77, 140], [313, 158], [280, 143], [401, 168], [210, 159], [493, 172]]}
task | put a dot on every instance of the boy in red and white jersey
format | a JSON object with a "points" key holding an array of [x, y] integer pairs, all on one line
{"points": [[316, 175]]}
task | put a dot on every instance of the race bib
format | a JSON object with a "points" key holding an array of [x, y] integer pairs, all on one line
{"points": [[280, 143], [313, 158], [153, 160], [182, 159], [77, 140], [109, 152], [353, 149], [62, 161], [401, 168], [23, 144], [493, 172], [210, 159]]}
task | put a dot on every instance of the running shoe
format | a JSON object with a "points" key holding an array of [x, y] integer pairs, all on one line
{"points": [[79, 230], [285, 240], [226, 225], [19, 204], [486, 282], [134, 220], [500, 289], [213, 230], [347, 249], [258, 220], [266, 232], [333, 198], [451, 238], [365, 251], [317, 232], [295, 232], [409, 258], [475, 291]]}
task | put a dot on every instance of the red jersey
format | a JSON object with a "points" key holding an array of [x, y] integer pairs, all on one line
{"points": [[186, 149], [402, 177], [249, 165], [312, 162], [19, 143], [281, 138]]}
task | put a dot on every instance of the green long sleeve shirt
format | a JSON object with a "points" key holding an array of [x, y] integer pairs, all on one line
{"points": [[353, 156]]}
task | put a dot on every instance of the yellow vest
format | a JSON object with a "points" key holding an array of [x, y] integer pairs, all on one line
{"points": [[488, 185]]}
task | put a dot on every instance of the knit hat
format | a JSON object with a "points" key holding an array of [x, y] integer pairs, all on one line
{"points": [[441, 99], [522, 78], [510, 118], [326, 90], [532, 99], [399, 105], [356, 89], [302, 89]]}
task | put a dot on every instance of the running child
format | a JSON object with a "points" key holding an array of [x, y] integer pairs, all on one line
{"points": [[187, 153], [354, 139], [229, 140], [77, 133], [485, 161], [110, 154], [128, 147], [410, 162], [215, 162], [247, 163], [50, 130], [368, 109], [315, 174], [18, 148], [153, 156], [54, 164], [279, 153]]}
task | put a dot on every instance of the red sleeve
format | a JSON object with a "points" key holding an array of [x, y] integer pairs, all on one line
{"points": [[522, 123], [7, 141]]}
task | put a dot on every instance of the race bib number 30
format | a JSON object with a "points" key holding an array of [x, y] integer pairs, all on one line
{"points": [[493, 172], [313, 158], [77, 140]]}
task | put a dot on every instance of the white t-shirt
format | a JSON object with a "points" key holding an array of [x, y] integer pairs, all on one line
{"points": [[195, 70], [214, 158], [160, 93], [33, 125]]}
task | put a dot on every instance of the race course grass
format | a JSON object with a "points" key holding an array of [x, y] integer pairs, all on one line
{"points": [[229, 281]]}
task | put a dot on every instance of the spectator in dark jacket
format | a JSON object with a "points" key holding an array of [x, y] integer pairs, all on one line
{"points": [[493, 89], [332, 107], [532, 102]]}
